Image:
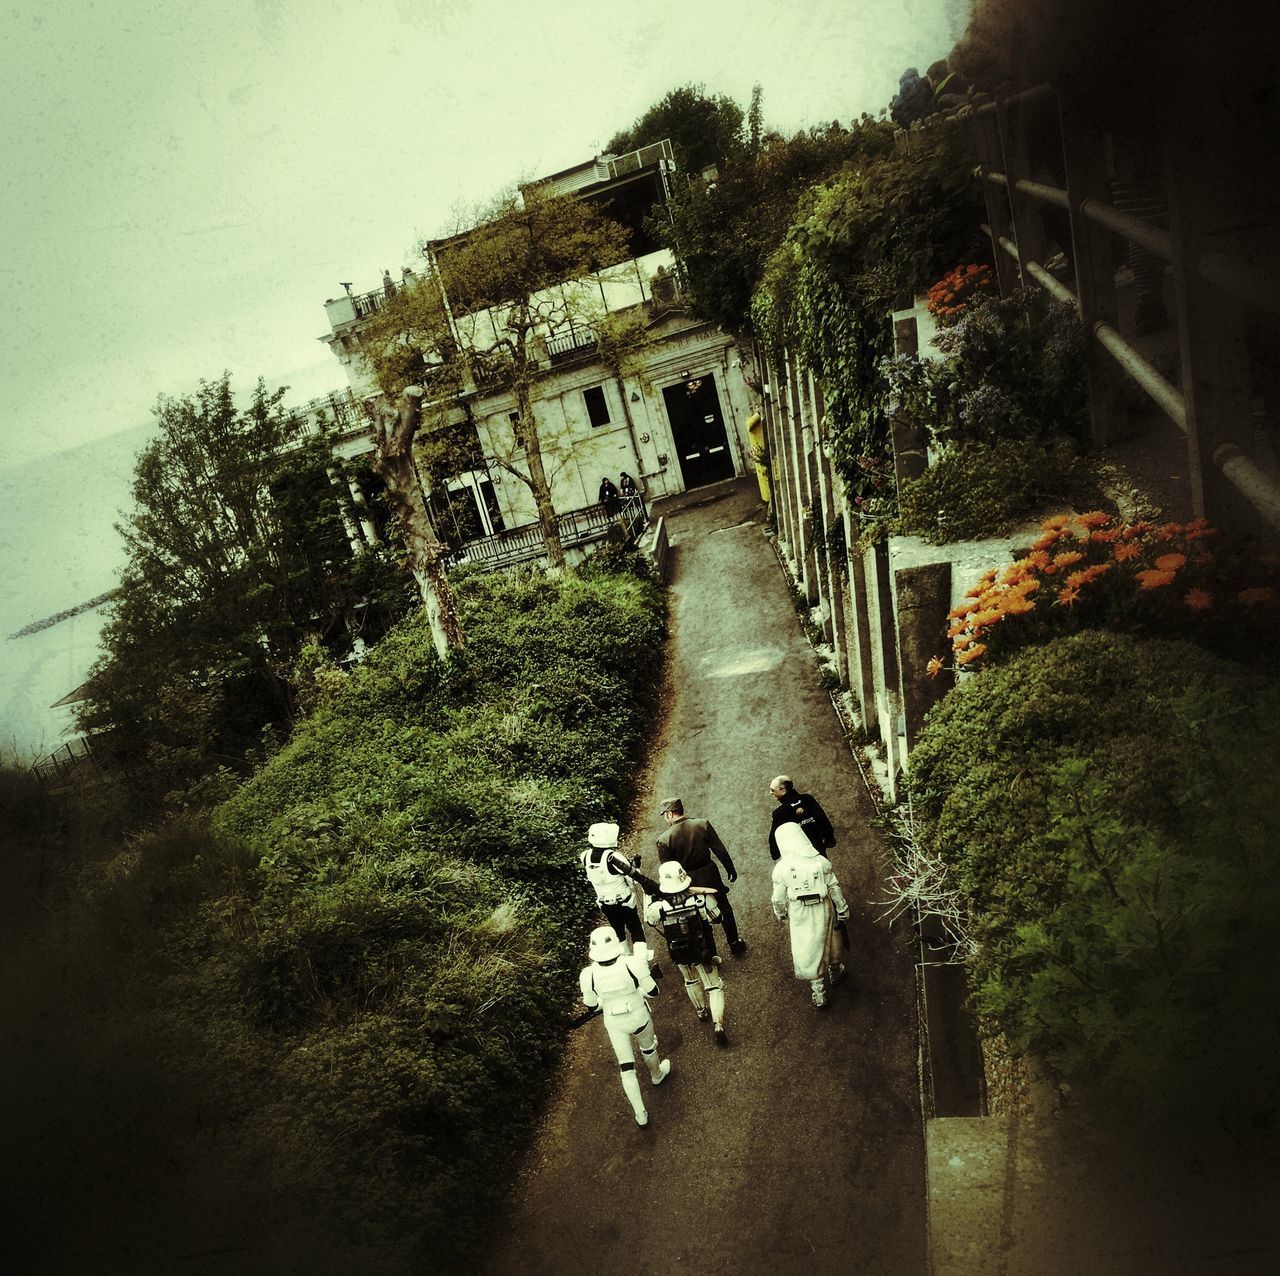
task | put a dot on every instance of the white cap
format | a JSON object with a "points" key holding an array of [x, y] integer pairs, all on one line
{"points": [[603, 836]]}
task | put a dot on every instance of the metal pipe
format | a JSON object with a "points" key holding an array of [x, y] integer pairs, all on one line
{"points": [[1143, 374], [1250, 480], [998, 178], [1054, 287], [1042, 191], [1258, 289], [1025, 98], [1134, 229], [1037, 272]]}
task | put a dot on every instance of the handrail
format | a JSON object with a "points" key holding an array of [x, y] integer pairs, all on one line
{"points": [[1055, 288], [1250, 480], [1143, 374], [1144, 234]]}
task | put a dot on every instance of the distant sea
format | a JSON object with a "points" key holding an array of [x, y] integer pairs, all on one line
{"points": [[59, 549]]}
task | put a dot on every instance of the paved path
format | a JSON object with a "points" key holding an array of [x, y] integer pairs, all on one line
{"points": [[797, 1149]]}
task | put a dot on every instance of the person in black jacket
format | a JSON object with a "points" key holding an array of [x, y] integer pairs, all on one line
{"points": [[799, 808], [693, 843]]}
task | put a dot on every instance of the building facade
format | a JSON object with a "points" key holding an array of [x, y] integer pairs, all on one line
{"points": [[675, 420]]}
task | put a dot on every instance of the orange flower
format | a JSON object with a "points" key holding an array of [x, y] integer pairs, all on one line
{"points": [[961, 643], [1068, 596], [1168, 531], [1048, 540], [1027, 587], [1039, 559], [1250, 597], [1126, 550], [963, 610], [957, 628], [1105, 535], [1094, 518], [1153, 580], [973, 653], [1056, 522], [1171, 562], [934, 667], [1076, 579], [1134, 530], [1198, 600], [1091, 574], [1019, 605], [1014, 574], [1067, 559]]}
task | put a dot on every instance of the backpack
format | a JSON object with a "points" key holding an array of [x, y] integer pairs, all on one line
{"points": [[806, 879], [688, 934]]}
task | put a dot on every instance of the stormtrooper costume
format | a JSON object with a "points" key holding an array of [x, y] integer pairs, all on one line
{"points": [[700, 966], [621, 985], [608, 870], [808, 896]]}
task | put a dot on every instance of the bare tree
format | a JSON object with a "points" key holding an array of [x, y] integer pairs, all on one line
{"points": [[394, 427]]}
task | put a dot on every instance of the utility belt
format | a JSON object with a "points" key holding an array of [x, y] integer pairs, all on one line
{"points": [[809, 900], [628, 898]]}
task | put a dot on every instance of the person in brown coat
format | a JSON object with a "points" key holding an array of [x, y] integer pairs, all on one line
{"points": [[693, 843]]}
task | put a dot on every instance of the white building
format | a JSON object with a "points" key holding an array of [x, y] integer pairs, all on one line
{"points": [[675, 422]]}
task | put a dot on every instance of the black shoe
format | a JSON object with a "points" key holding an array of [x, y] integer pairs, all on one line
{"points": [[655, 970], [722, 1038], [738, 947]]}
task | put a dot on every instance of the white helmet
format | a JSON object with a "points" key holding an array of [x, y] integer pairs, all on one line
{"points": [[793, 840], [672, 879], [605, 944], [604, 836]]}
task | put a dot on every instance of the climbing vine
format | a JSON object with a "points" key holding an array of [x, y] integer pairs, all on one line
{"points": [[878, 230]]}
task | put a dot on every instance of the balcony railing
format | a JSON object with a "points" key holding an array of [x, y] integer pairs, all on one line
{"points": [[577, 527], [568, 344]]}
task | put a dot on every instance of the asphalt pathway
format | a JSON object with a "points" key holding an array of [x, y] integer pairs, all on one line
{"points": [[798, 1148]]}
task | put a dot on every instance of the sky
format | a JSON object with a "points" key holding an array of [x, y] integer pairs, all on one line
{"points": [[186, 183]]}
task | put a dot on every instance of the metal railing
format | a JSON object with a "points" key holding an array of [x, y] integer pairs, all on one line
{"points": [[1214, 421], [577, 527], [570, 343], [63, 761]]}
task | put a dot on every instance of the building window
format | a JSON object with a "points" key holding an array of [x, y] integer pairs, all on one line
{"points": [[597, 408]]}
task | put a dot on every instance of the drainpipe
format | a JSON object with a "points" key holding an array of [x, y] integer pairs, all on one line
{"points": [[631, 427]]}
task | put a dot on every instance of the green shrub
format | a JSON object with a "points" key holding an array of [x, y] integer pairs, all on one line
{"points": [[1106, 805], [984, 489], [351, 985]]}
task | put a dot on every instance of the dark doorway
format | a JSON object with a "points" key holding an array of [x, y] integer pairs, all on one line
{"points": [[697, 428]]}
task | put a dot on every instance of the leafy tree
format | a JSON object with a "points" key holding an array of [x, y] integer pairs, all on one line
{"points": [[497, 292], [236, 552], [703, 129], [723, 233]]}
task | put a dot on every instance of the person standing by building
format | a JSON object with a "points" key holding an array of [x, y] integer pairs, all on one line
{"points": [[807, 895], [608, 496], [799, 808], [684, 913], [693, 843], [620, 986], [609, 872]]}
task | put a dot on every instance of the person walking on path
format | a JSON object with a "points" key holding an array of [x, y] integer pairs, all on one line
{"points": [[609, 872], [807, 895], [684, 913], [692, 843], [620, 985], [800, 808]]}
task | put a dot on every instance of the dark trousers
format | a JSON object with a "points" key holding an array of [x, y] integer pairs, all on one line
{"points": [[727, 917], [623, 918]]}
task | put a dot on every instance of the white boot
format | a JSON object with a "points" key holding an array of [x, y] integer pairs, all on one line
{"points": [[694, 988], [819, 990], [657, 1071], [631, 1084], [716, 997]]}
